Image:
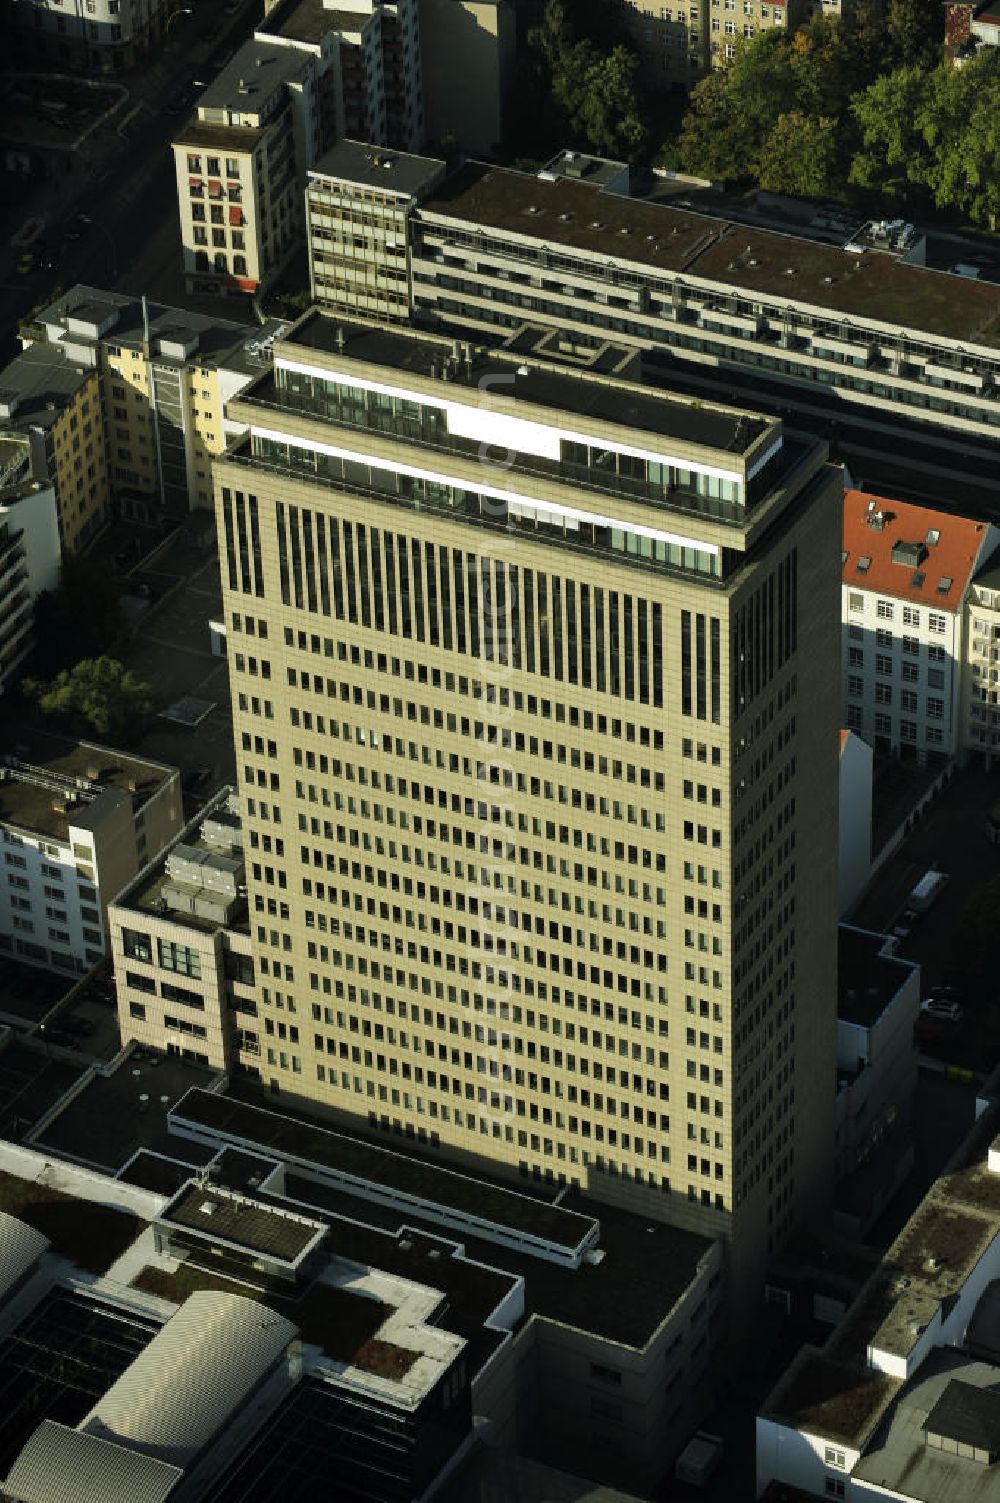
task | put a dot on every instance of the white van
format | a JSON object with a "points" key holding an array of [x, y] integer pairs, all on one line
{"points": [[930, 886]]}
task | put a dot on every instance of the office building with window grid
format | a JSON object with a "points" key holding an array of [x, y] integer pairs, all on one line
{"points": [[829, 321], [77, 821], [531, 670]]}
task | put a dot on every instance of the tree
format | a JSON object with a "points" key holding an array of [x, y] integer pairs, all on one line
{"points": [[977, 930], [715, 142], [915, 32], [821, 63], [892, 154], [598, 95], [959, 119], [801, 156], [81, 618], [101, 693], [592, 81], [734, 110]]}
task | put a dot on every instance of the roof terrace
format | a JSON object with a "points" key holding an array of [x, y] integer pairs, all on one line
{"points": [[199, 878], [222, 1216], [867, 979], [457, 1200], [47, 783], [508, 374]]}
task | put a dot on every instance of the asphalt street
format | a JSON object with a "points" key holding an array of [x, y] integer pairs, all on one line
{"points": [[125, 182]]}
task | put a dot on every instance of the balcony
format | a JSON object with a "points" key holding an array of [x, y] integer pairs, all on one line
{"points": [[417, 432]]}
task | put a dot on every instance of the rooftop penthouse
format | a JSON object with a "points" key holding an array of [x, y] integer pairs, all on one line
{"points": [[514, 434], [199, 879]]}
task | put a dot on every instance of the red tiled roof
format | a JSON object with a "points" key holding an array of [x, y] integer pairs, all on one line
{"points": [[951, 558]]}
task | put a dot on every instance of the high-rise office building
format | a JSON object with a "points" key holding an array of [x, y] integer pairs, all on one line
{"points": [[533, 671]]}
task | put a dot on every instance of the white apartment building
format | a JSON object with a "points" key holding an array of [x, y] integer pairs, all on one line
{"points": [[981, 694], [906, 577], [181, 947], [76, 822], [309, 75], [29, 553], [902, 1401], [878, 1003]]}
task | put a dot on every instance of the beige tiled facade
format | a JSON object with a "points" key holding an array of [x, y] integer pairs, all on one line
{"points": [[678, 43], [553, 887]]}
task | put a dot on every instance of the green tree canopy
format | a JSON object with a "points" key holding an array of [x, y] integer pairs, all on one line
{"points": [[960, 122], [101, 694], [726, 133], [978, 926], [915, 32], [892, 156], [592, 80], [801, 156], [81, 618], [934, 132]]}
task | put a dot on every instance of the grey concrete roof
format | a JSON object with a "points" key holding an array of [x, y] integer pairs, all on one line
{"points": [[968, 1415], [192, 1377], [221, 341], [900, 1459], [377, 167], [867, 980], [42, 380], [262, 66], [20, 1247], [60, 1465], [220, 1214]]}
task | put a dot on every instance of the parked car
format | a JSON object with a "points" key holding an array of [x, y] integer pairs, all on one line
{"points": [[930, 887], [941, 1008]]}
